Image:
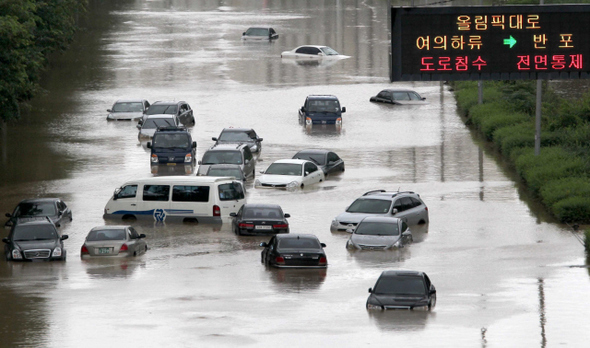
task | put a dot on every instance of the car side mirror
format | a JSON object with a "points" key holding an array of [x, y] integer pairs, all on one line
{"points": [[199, 162], [344, 109], [320, 54], [194, 145], [287, 215], [6, 240], [244, 33], [142, 236], [394, 211], [8, 215], [149, 145], [233, 214], [323, 245], [260, 139], [370, 290], [303, 109], [138, 126], [432, 291], [423, 98], [263, 244], [306, 173], [406, 233], [214, 139], [64, 237], [109, 110]]}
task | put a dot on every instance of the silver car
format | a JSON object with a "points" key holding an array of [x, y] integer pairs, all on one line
{"points": [[128, 109], [405, 205], [113, 241], [379, 233]]}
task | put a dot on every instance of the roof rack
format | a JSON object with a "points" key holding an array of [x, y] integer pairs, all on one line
{"points": [[373, 191], [393, 195]]}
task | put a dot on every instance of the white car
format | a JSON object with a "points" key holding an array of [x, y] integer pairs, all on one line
{"points": [[128, 109], [153, 122], [290, 174], [312, 52]]}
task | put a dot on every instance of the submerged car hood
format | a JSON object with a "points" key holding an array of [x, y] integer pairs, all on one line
{"points": [[372, 240], [395, 300], [125, 115], [278, 179], [353, 218], [36, 244]]}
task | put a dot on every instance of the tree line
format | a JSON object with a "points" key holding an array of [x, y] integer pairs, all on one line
{"points": [[30, 30]]}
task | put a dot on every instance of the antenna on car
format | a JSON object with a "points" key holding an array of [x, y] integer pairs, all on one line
{"points": [[398, 188]]}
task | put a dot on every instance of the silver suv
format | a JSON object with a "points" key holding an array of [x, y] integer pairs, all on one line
{"points": [[406, 205], [239, 154]]}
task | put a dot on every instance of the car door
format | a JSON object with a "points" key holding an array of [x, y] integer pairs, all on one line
{"points": [[138, 243], [312, 174], [154, 200], [64, 212], [249, 165], [333, 162]]}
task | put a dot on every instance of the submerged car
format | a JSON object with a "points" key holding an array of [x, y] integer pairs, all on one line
{"points": [[402, 290], [398, 96], [172, 146], [294, 251], [240, 136], [54, 208], [254, 219], [37, 239], [328, 161], [260, 33], [180, 109], [153, 122], [312, 52], [231, 170], [405, 205], [113, 241], [229, 154], [290, 174], [379, 233], [128, 109], [321, 109]]}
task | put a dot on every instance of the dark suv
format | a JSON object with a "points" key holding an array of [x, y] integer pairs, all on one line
{"points": [[36, 239], [172, 146], [321, 109], [54, 208], [240, 136], [229, 154]]}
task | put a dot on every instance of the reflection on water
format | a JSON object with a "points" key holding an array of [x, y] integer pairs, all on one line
{"points": [[376, 258], [400, 319], [112, 267], [297, 280]]}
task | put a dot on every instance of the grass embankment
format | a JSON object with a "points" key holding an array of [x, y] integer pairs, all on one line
{"points": [[560, 175]]}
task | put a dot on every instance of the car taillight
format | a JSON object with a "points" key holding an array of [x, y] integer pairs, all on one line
{"points": [[280, 259], [243, 225], [84, 250], [323, 260], [216, 210], [426, 208], [280, 226], [188, 158], [154, 158], [123, 248]]}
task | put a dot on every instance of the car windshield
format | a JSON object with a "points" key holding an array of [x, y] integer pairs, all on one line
{"points": [[316, 158], [167, 141], [329, 51], [319, 105], [257, 32], [299, 243], [262, 213], [107, 234], [400, 285], [34, 232], [162, 109], [378, 229], [221, 157], [234, 136], [128, 107], [235, 172], [284, 169], [153, 123], [36, 209], [369, 206]]}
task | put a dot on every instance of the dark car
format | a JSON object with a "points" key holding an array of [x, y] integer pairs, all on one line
{"points": [[181, 109], [229, 154], [402, 290], [173, 146], [36, 239], [260, 33], [327, 161], [254, 219], [233, 170], [294, 251], [321, 109], [240, 136], [54, 208], [398, 96]]}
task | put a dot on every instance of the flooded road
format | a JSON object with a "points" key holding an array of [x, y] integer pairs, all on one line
{"points": [[506, 275]]}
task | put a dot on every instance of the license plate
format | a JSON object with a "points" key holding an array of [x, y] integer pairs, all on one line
{"points": [[323, 122], [262, 227], [104, 250], [171, 164]]}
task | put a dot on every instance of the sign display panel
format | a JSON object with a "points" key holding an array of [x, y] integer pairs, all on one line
{"points": [[490, 42]]}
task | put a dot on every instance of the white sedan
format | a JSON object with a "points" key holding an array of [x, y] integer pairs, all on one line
{"points": [[290, 174], [312, 52]]}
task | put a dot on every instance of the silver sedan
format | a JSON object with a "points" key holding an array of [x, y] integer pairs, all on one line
{"points": [[113, 241]]}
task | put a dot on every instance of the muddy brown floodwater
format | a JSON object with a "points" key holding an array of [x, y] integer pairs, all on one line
{"points": [[506, 275]]}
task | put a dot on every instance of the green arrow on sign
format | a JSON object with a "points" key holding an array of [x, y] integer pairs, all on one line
{"points": [[511, 41]]}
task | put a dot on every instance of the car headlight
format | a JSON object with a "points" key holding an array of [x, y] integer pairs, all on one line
{"points": [[154, 158], [339, 121], [109, 116], [293, 184], [188, 157], [257, 183], [308, 121], [16, 255], [371, 306], [56, 252]]}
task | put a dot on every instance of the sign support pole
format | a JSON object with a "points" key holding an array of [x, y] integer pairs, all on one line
{"points": [[538, 118]]}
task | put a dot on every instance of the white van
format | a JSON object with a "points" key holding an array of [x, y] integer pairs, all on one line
{"points": [[190, 198]]}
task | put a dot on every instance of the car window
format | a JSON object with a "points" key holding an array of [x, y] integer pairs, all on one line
{"points": [[128, 107], [170, 140], [257, 32], [313, 157], [406, 203], [414, 202], [247, 154], [415, 96], [329, 51], [234, 136], [401, 96], [374, 228], [156, 192], [299, 243], [36, 209], [333, 157], [61, 206], [263, 213], [152, 123], [383, 95], [162, 109], [404, 226], [369, 206], [230, 192], [324, 105], [34, 232], [185, 193], [128, 191], [221, 157], [310, 167], [133, 232], [399, 205], [400, 285], [284, 169], [106, 234]]}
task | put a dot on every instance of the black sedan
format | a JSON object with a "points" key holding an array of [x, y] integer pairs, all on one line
{"points": [[54, 208], [402, 290], [328, 161], [398, 96], [294, 251], [253, 219], [37, 239]]}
